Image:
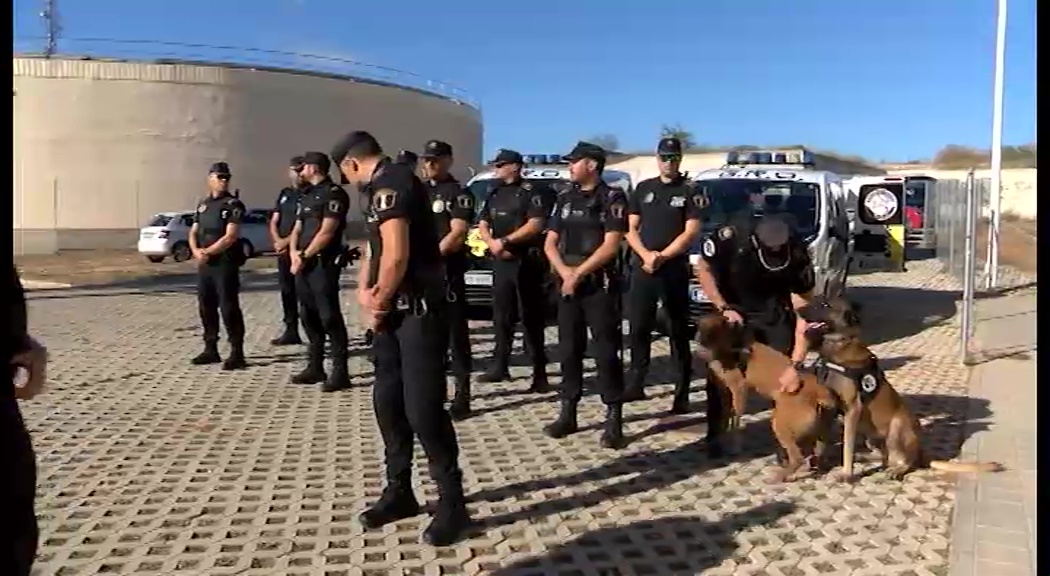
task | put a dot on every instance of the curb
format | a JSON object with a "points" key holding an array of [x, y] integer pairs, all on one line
{"points": [[29, 285]]}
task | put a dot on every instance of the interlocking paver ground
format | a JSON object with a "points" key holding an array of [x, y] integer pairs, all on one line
{"points": [[149, 465]]}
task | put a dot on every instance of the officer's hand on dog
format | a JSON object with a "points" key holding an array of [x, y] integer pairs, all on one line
{"points": [[790, 381], [733, 316], [34, 362]]}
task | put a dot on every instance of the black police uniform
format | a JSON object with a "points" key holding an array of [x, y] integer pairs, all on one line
{"points": [[664, 208], [317, 285], [581, 219], [519, 279], [219, 278], [287, 210], [409, 350], [18, 481], [407, 158], [449, 201], [757, 281]]}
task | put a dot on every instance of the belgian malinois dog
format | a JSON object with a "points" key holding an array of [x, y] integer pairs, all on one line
{"points": [[872, 408], [800, 420]]}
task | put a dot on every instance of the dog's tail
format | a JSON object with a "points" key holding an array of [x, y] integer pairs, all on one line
{"points": [[963, 466]]}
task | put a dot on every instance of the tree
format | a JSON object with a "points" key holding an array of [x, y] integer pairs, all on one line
{"points": [[677, 131], [608, 141]]}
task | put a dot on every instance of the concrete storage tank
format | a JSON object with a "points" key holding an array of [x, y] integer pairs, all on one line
{"points": [[101, 145]]}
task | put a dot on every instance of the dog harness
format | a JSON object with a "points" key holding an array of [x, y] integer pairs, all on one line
{"points": [[868, 377]]}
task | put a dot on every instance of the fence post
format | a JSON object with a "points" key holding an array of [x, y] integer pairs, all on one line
{"points": [[969, 266]]}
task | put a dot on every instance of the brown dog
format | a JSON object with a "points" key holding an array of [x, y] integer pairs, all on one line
{"points": [[872, 407], [799, 420]]}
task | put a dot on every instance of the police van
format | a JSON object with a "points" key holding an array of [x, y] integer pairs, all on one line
{"points": [[886, 211], [760, 182], [548, 173]]}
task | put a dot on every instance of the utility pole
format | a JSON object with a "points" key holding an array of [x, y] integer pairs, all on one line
{"points": [[51, 27]]}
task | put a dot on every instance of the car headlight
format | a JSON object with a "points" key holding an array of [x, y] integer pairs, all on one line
{"points": [[475, 244]]}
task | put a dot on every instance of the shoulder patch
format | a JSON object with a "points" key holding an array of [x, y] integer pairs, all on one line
{"points": [[437, 206], [725, 233], [334, 205], [709, 248], [700, 200], [202, 207], [236, 211], [616, 209], [526, 185], [384, 199], [465, 201], [537, 201]]}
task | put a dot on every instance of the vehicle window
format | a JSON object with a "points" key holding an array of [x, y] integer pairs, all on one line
{"points": [[732, 198], [915, 194], [159, 220], [254, 217], [186, 220]]}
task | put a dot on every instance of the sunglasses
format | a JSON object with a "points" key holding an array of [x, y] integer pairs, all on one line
{"points": [[669, 157]]}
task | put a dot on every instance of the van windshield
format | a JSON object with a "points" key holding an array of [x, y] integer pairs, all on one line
{"points": [[732, 198], [159, 220]]}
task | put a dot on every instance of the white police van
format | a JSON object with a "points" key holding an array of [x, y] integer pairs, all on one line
{"points": [[548, 172], [780, 182]]}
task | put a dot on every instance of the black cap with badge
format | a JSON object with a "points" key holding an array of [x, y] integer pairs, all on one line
{"points": [[437, 149], [586, 150], [319, 159], [296, 163], [669, 147], [407, 158], [220, 169], [507, 157]]}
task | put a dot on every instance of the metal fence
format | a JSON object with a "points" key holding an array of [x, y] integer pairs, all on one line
{"points": [[962, 221]]}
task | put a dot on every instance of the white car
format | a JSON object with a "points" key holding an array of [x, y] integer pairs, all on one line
{"points": [[167, 234]]}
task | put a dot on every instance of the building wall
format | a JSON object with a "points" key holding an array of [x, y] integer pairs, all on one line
{"points": [[99, 146]]}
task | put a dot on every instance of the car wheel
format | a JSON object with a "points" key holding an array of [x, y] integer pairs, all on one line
{"points": [[155, 259], [247, 249], [181, 252]]}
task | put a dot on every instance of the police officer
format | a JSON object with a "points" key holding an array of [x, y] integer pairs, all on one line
{"points": [[757, 271], [664, 218], [453, 208], [511, 223], [316, 246], [407, 158], [401, 290], [582, 243], [214, 241], [282, 221]]}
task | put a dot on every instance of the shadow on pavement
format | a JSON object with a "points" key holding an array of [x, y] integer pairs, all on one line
{"points": [[948, 421], [681, 545], [890, 313]]}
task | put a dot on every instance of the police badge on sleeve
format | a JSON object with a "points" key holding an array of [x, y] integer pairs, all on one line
{"points": [[708, 248]]}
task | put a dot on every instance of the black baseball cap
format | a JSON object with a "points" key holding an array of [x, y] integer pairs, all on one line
{"points": [[669, 146], [351, 141], [319, 159], [296, 162], [407, 157], [220, 168], [507, 157], [586, 150], [437, 149], [772, 232]]}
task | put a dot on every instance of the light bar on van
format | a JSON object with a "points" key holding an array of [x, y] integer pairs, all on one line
{"points": [[543, 159], [745, 157]]}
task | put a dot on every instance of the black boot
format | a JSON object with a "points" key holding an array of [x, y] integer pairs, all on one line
{"points": [[495, 374], [314, 372], [209, 356], [459, 409], [680, 405], [397, 503], [340, 378], [633, 392], [612, 434], [289, 337], [566, 422], [539, 381], [451, 519], [235, 361]]}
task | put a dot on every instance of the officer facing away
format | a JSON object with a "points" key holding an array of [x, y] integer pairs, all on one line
{"points": [[453, 208], [214, 241], [759, 272], [664, 218], [407, 158], [282, 221], [511, 223], [583, 239], [402, 294], [316, 249]]}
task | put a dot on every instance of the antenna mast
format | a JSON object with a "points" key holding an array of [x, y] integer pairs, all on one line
{"points": [[50, 16]]}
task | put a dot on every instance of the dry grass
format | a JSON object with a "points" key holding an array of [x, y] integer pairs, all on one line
{"points": [[1017, 243]]}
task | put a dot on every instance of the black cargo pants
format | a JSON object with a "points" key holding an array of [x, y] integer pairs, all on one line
{"points": [[594, 308], [219, 293], [670, 284], [409, 394], [289, 300], [519, 280], [17, 491], [317, 286]]}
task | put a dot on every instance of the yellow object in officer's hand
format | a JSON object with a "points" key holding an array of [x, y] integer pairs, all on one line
{"points": [[475, 244]]}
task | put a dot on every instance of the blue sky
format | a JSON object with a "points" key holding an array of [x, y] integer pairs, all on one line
{"points": [[888, 79]]}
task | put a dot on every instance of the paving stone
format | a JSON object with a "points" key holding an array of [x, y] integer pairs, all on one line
{"points": [[150, 465]]}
